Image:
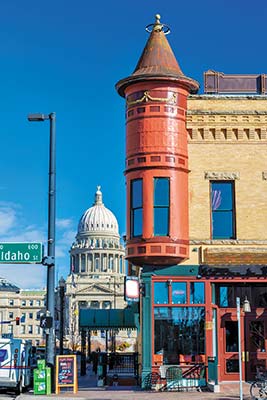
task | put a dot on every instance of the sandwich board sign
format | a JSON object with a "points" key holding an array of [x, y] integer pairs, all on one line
{"points": [[66, 373]]}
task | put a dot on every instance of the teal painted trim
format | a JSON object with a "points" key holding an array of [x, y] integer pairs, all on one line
{"points": [[173, 270], [146, 327]]}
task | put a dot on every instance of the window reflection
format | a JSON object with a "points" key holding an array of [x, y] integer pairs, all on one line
{"points": [[161, 206], [160, 293], [179, 332], [136, 207], [257, 336], [222, 206], [197, 293], [256, 294], [178, 293]]}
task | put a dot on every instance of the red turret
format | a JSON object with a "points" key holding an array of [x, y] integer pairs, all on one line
{"points": [[156, 154]]}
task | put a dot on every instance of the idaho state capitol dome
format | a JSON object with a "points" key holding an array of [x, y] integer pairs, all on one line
{"points": [[98, 219]]}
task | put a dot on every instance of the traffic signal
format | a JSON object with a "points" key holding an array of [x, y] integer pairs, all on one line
{"points": [[17, 320], [46, 322]]}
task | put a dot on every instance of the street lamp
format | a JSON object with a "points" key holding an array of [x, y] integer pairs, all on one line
{"points": [[49, 261], [246, 308]]}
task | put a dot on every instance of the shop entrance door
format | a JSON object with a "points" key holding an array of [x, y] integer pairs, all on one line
{"points": [[256, 344], [228, 347]]}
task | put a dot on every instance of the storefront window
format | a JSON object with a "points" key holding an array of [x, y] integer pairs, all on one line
{"points": [[197, 293], [178, 293], [179, 332], [256, 294], [161, 293], [257, 336]]}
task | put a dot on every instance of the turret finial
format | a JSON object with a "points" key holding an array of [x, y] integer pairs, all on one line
{"points": [[157, 16], [98, 196], [158, 26]]}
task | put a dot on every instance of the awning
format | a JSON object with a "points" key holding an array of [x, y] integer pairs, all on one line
{"points": [[108, 319]]}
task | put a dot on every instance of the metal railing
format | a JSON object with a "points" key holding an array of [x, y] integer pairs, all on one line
{"points": [[123, 364]]}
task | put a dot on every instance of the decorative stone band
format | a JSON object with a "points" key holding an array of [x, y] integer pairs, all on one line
{"points": [[147, 97], [232, 242], [221, 176]]}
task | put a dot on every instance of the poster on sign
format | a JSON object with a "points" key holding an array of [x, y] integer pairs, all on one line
{"points": [[66, 373]]}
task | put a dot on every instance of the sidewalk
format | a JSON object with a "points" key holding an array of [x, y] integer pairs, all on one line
{"points": [[88, 390]]}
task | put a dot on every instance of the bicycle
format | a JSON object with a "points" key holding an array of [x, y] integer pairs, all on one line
{"points": [[258, 389]]}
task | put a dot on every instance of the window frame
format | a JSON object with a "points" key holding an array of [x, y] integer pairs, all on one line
{"points": [[135, 209], [162, 206], [173, 307], [216, 212]]}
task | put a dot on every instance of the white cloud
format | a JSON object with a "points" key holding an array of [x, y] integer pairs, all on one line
{"points": [[13, 228], [7, 218], [63, 223], [68, 237]]}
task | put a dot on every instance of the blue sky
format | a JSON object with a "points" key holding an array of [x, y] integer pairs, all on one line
{"points": [[66, 56]]}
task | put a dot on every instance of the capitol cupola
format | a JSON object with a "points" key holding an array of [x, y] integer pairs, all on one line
{"points": [[156, 154]]}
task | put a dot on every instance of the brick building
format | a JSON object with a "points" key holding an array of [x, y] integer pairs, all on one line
{"points": [[196, 180]]}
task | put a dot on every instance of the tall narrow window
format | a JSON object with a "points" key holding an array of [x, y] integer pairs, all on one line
{"points": [[222, 210], [161, 206], [136, 207], [97, 262], [83, 263], [111, 262]]}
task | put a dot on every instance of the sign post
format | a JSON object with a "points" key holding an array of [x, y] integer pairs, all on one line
{"points": [[21, 253]]}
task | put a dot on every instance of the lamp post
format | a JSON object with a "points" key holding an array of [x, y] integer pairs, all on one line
{"points": [[246, 308], [49, 261]]}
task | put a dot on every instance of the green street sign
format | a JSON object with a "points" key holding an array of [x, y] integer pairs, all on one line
{"points": [[21, 253]]}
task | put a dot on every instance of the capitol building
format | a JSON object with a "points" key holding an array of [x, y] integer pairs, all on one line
{"points": [[96, 277]]}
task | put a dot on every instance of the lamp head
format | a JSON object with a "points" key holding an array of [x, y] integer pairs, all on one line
{"points": [[37, 117], [246, 306]]}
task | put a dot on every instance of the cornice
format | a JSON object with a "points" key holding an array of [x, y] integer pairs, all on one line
{"points": [[226, 97]]}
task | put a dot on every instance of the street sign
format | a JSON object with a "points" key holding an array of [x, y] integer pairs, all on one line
{"points": [[21, 253]]}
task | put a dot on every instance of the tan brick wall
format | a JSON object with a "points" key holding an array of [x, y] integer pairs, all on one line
{"points": [[227, 137]]}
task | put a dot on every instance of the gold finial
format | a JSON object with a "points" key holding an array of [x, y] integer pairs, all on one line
{"points": [[157, 16], [158, 26]]}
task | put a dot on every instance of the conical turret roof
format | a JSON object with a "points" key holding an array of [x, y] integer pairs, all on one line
{"points": [[157, 61]]}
